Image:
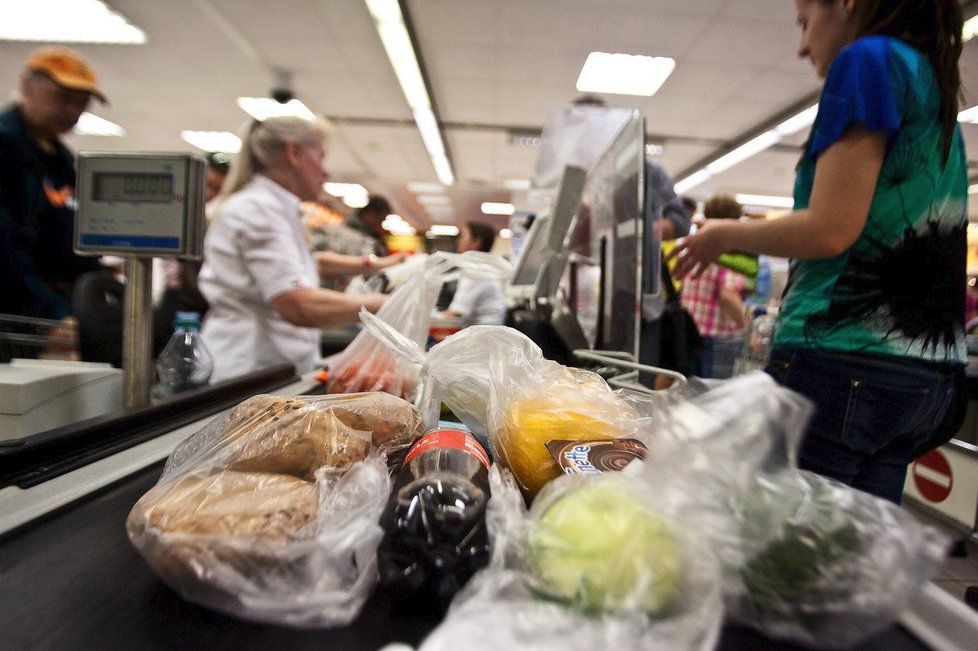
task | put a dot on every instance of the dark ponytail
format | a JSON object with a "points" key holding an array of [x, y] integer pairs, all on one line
{"points": [[932, 26]]}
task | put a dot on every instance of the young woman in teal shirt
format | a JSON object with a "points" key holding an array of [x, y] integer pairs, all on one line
{"points": [[872, 321]]}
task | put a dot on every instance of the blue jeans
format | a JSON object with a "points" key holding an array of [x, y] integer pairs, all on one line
{"points": [[874, 414]]}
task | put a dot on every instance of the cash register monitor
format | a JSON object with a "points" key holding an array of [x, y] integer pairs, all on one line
{"points": [[541, 262]]}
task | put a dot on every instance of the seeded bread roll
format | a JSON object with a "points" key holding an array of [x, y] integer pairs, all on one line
{"points": [[296, 437], [275, 507]]}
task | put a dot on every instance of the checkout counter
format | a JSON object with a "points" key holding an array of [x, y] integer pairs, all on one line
{"points": [[71, 579]]}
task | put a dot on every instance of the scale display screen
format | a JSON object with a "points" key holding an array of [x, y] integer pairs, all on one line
{"points": [[149, 188], [140, 203]]}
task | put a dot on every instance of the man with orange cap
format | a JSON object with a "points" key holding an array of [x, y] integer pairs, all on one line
{"points": [[38, 266]]}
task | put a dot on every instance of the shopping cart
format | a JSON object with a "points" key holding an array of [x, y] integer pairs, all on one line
{"points": [[31, 338], [628, 378]]}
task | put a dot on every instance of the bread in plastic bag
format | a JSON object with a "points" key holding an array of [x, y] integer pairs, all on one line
{"points": [[629, 577], [239, 521], [495, 379], [805, 558], [367, 365]]}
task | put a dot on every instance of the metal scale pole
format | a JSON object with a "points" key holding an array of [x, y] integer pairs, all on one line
{"points": [[137, 335]]}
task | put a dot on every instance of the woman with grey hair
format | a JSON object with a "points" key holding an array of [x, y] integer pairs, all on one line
{"points": [[259, 276]]}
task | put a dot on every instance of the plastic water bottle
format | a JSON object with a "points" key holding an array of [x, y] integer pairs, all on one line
{"points": [[184, 363], [763, 290], [435, 535]]}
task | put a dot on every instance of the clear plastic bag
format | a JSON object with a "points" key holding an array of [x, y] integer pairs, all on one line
{"points": [[271, 513], [805, 558], [496, 380], [366, 365], [594, 565]]}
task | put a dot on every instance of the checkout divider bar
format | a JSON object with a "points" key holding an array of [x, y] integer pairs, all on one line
{"points": [[35, 459]]}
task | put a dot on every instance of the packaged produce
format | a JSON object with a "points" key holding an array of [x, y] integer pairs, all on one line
{"points": [[366, 365], [434, 525], [271, 512], [804, 558], [594, 565]]}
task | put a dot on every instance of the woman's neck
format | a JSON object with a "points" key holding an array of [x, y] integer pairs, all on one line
{"points": [[284, 178]]}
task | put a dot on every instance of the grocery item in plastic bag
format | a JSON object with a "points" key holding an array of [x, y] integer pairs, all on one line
{"points": [[805, 558], [366, 365], [495, 379], [435, 534], [241, 521], [592, 566]]}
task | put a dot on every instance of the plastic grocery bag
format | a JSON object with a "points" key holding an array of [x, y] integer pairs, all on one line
{"points": [[271, 512], [594, 565], [805, 558], [366, 365], [496, 380]]}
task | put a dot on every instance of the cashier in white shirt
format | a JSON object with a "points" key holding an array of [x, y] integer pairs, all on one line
{"points": [[259, 275], [477, 302]]}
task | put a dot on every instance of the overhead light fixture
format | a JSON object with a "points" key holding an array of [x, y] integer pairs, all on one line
{"points": [[491, 208], [443, 230], [213, 141], [752, 147], [526, 141], [423, 188], [970, 29], [67, 21], [653, 150], [765, 200], [624, 74], [395, 225], [353, 195], [400, 50], [969, 115], [517, 184], [262, 108], [90, 124], [506, 233], [434, 199]]}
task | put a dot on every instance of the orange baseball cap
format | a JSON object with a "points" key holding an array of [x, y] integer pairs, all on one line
{"points": [[66, 68]]}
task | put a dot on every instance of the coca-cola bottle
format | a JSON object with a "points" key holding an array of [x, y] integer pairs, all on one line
{"points": [[435, 535]]}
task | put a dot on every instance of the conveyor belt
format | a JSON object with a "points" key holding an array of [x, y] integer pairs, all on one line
{"points": [[73, 581]]}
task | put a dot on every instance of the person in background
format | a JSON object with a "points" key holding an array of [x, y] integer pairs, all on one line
{"points": [[369, 220], [714, 298], [477, 302], [259, 276], [38, 265], [871, 327], [181, 291]]}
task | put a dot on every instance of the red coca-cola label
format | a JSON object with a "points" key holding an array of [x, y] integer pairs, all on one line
{"points": [[448, 438]]}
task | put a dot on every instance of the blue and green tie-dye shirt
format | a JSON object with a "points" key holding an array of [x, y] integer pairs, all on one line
{"points": [[900, 289]]}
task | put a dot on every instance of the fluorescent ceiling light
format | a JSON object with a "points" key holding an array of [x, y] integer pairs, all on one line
{"points": [[745, 151], [969, 115], [526, 141], [516, 184], [653, 150], [213, 141], [92, 125], [752, 147], [443, 230], [691, 181], [765, 200], [434, 199], [970, 29], [490, 208], [354, 195], [262, 108], [505, 233], [66, 21], [624, 74], [400, 50], [395, 225], [422, 188], [797, 122]]}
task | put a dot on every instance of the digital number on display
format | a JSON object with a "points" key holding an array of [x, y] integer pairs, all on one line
{"points": [[151, 188]]}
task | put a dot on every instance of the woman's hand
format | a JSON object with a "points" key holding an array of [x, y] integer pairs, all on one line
{"points": [[697, 252]]}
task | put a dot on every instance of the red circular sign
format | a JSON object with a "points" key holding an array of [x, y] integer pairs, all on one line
{"points": [[932, 476]]}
